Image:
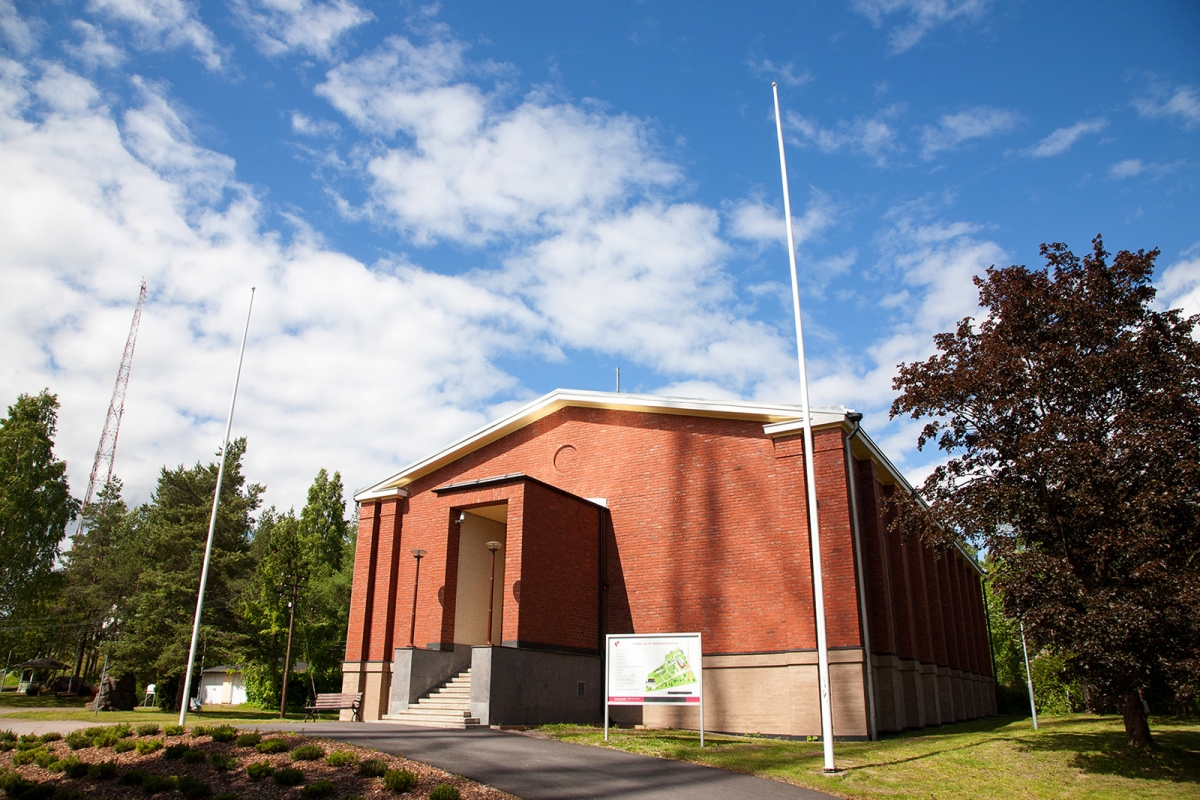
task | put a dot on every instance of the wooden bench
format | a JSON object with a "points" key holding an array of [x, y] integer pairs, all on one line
{"points": [[351, 701]]}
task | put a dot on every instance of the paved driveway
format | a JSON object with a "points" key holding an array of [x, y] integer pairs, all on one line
{"points": [[543, 769], [529, 767]]}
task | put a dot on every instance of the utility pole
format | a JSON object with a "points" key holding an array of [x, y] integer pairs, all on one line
{"points": [[287, 656]]}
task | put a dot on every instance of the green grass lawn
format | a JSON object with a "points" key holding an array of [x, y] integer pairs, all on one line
{"points": [[20, 700], [1071, 756], [52, 708]]}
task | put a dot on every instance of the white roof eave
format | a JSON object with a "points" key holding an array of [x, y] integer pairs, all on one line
{"points": [[561, 398]]}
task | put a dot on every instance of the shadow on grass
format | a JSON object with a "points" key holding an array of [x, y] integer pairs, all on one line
{"points": [[1175, 756], [24, 702]]}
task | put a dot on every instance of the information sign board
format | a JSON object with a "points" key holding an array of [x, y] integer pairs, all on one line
{"points": [[652, 669]]}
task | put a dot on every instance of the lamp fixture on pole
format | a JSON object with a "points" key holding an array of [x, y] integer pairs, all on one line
{"points": [[493, 546], [412, 631]]}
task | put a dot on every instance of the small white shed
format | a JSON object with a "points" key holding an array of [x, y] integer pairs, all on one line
{"points": [[224, 685]]}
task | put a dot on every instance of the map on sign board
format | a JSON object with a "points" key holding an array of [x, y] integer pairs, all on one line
{"points": [[653, 668]]}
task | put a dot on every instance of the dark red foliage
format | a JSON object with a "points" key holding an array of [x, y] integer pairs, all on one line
{"points": [[1071, 410]]}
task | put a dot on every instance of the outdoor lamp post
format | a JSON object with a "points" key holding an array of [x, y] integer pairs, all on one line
{"points": [[412, 631], [493, 546]]}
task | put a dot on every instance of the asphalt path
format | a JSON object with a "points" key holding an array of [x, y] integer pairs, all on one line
{"points": [[545, 769], [530, 767]]}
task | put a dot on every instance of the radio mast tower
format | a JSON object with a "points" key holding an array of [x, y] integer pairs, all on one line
{"points": [[106, 451]]}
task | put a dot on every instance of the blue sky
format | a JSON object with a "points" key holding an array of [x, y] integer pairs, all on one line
{"points": [[449, 210]]}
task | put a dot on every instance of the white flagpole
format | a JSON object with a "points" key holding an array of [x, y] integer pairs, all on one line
{"points": [[810, 480], [212, 523], [1028, 677]]}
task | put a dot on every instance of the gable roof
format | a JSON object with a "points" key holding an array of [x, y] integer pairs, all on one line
{"points": [[782, 419]]}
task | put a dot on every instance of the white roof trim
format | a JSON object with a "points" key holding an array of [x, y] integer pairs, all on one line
{"points": [[561, 398]]}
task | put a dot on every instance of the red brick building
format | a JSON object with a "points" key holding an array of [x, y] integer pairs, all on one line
{"points": [[620, 513]]}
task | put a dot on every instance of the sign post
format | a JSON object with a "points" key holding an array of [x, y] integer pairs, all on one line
{"points": [[643, 669]]}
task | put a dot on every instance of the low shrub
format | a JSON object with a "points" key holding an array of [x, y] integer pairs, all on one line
{"points": [[372, 768], [226, 796], [259, 770], [443, 791], [23, 757], [76, 740], [58, 794], [50, 736], [308, 752], [341, 758], [29, 738], [399, 780], [7, 736], [223, 733], [122, 730], [124, 746], [6, 745], [317, 789], [191, 755], [153, 784], [174, 730], [102, 770], [269, 746], [133, 777], [149, 729], [70, 766], [32, 743], [147, 746], [16, 786], [201, 730], [174, 751], [248, 739], [288, 776], [222, 763], [192, 787], [44, 758], [105, 739]]}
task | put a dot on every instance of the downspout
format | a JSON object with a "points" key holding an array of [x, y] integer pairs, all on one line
{"points": [[872, 725], [600, 593], [987, 617]]}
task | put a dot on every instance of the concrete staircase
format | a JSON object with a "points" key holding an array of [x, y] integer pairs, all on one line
{"points": [[448, 706]]}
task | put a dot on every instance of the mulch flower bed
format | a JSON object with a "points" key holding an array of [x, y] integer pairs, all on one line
{"points": [[196, 761]]}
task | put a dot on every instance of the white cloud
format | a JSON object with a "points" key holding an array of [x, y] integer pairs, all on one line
{"points": [[1182, 105], [755, 221], [871, 137], [1133, 167], [975, 123], [282, 26], [647, 284], [468, 169], [93, 203], [165, 25], [95, 50], [930, 264], [785, 73], [308, 126], [1128, 168], [14, 29], [924, 16], [1179, 286], [1061, 140]]}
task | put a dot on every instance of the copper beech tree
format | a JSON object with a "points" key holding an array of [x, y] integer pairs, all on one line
{"points": [[1070, 411]]}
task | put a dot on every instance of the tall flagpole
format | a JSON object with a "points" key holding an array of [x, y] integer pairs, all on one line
{"points": [[212, 523], [810, 480]]}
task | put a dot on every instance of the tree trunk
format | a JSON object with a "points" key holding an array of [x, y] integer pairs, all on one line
{"points": [[1137, 729]]}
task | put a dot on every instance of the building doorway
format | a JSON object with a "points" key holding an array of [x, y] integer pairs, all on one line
{"points": [[480, 526]]}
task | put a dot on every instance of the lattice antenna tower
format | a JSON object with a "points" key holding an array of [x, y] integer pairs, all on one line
{"points": [[106, 451]]}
